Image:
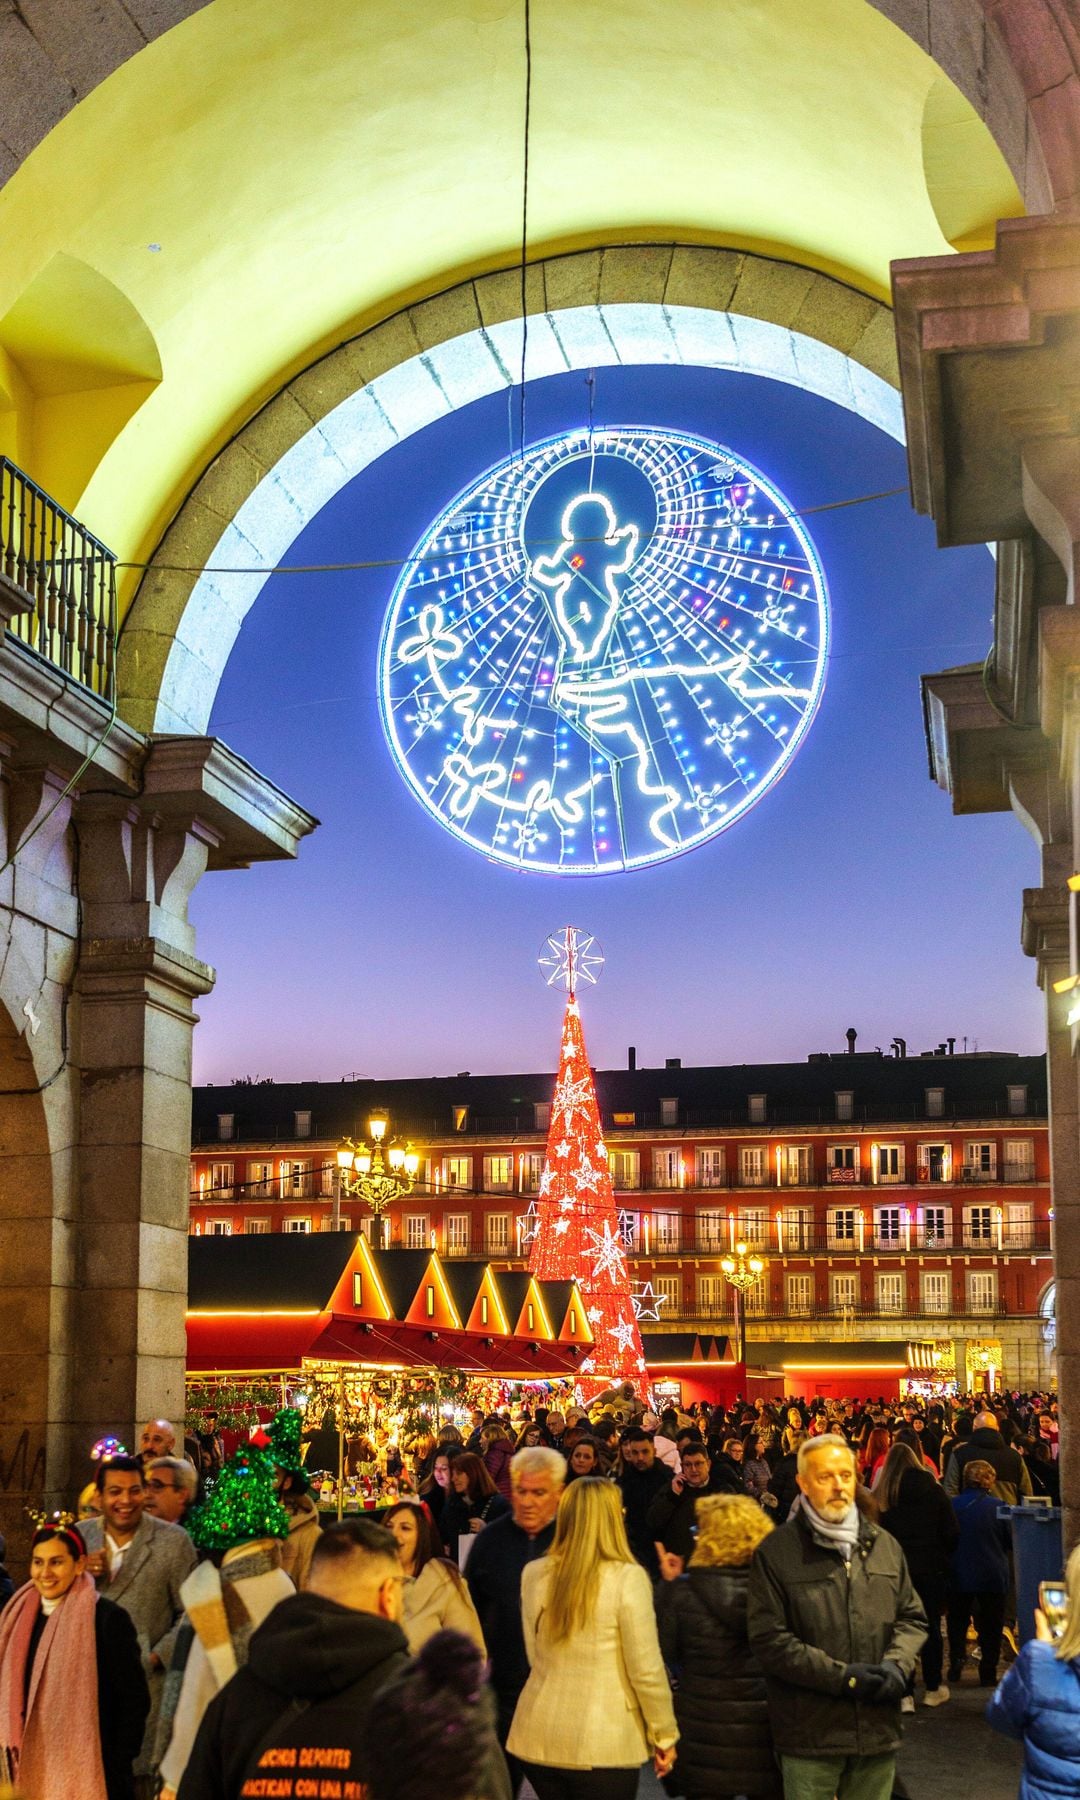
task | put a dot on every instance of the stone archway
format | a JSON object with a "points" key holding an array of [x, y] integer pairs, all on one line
{"points": [[632, 304]]}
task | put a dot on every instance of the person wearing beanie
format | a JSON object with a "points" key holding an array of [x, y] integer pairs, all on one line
{"points": [[73, 1695], [294, 1491], [241, 1528], [442, 1708]]}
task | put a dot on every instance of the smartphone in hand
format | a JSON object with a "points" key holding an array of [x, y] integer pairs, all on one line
{"points": [[1054, 1604]]}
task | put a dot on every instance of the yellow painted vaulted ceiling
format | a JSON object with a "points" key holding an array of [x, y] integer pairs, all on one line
{"points": [[272, 175]]}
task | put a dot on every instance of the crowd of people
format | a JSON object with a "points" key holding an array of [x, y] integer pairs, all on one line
{"points": [[749, 1598]]}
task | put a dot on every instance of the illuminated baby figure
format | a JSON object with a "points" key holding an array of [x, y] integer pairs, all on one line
{"points": [[581, 574]]}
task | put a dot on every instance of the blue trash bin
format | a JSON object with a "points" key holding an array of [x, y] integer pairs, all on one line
{"points": [[1038, 1555]]}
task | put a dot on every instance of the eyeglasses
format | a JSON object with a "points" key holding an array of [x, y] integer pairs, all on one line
{"points": [[161, 1487]]}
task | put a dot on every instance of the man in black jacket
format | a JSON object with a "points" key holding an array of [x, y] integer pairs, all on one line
{"points": [[641, 1480], [672, 1513], [836, 1626], [1012, 1477], [301, 1702], [496, 1563]]}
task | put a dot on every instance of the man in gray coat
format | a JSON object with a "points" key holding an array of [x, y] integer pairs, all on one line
{"points": [[836, 1626], [141, 1563]]}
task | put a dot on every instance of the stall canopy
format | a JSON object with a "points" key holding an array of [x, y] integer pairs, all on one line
{"points": [[271, 1301]]}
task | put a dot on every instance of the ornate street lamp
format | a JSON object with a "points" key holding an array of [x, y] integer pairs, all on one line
{"points": [[742, 1272], [365, 1173]]}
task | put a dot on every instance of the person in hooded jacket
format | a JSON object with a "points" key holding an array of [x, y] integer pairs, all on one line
{"points": [[919, 1514], [725, 1744], [313, 1669], [1038, 1702]]}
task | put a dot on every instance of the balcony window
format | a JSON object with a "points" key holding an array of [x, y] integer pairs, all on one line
{"points": [[1019, 1225], [669, 1290], [226, 1127], [890, 1291], [221, 1181], [982, 1290], [497, 1234], [498, 1174], [327, 1180], [666, 1231], [797, 1227], [844, 1291], [756, 1299], [1019, 1159], [669, 1112], [217, 1228], [295, 1180], [756, 1108], [711, 1232], [753, 1167], [842, 1163], [458, 1228], [845, 1104], [711, 1299], [795, 1165], [936, 1291], [625, 1166], [710, 1167], [979, 1227], [532, 1170], [800, 1293], [843, 1228], [753, 1226], [934, 1162], [457, 1171], [461, 1117], [888, 1227], [888, 1162], [261, 1179], [936, 1225], [256, 1227], [666, 1169], [300, 1225], [980, 1161], [417, 1231]]}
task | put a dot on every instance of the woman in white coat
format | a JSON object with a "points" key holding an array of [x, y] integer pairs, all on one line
{"points": [[434, 1597], [597, 1701]]}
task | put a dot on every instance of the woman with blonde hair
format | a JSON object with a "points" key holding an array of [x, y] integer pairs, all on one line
{"points": [[1038, 1701], [597, 1700], [725, 1745]]}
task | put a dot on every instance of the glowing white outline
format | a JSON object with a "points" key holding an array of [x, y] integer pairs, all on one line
{"points": [[474, 783], [551, 572]]}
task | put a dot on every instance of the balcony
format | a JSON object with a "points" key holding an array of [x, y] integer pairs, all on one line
{"points": [[840, 1316], [57, 584]]}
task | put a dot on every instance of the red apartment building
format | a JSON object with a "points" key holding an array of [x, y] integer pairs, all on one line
{"points": [[901, 1203]]}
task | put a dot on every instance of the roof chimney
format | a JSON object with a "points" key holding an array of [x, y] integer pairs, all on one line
{"points": [[673, 1062], [899, 1044], [952, 1046], [631, 1057], [851, 1034]]}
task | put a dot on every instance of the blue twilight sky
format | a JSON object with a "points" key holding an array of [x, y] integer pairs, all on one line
{"points": [[849, 896]]}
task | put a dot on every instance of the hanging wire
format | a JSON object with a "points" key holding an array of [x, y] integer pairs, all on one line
{"points": [[525, 224]]}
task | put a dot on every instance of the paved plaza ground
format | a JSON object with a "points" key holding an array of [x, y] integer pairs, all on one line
{"points": [[947, 1750]]}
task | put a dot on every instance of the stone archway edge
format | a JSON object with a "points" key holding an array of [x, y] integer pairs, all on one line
{"points": [[689, 305]]}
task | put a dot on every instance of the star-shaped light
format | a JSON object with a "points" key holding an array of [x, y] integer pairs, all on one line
{"points": [[570, 1097], [610, 1259], [594, 1315], [647, 1303], [623, 1333]]}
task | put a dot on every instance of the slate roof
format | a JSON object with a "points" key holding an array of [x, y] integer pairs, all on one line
{"points": [[884, 1087]]}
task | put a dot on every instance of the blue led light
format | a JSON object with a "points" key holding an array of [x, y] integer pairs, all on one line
{"points": [[572, 703]]}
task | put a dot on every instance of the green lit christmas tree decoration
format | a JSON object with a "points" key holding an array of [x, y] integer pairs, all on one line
{"points": [[243, 1506], [284, 1433]]}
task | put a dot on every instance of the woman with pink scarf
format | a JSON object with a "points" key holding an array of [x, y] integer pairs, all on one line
{"points": [[73, 1696]]}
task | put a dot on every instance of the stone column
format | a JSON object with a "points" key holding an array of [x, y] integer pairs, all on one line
{"points": [[134, 1015]]}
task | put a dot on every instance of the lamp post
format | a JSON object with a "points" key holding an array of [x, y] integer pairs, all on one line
{"points": [[742, 1272], [366, 1174]]}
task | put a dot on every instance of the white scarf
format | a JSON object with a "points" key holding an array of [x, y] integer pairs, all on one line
{"points": [[834, 1534]]}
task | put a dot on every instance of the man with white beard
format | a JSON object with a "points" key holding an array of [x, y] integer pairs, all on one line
{"points": [[836, 1626]]}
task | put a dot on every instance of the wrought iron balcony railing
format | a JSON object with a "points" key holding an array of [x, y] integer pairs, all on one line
{"points": [[62, 582]]}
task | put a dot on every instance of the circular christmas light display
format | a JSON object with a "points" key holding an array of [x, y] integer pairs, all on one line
{"points": [[604, 652]]}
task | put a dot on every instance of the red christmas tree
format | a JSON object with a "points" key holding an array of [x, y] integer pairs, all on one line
{"points": [[577, 1237]]}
